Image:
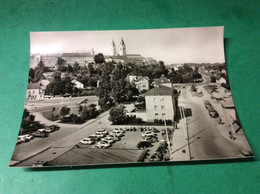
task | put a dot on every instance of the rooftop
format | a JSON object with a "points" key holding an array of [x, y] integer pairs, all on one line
{"points": [[33, 85], [159, 91]]}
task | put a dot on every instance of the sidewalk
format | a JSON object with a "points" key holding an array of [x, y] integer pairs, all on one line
{"points": [[179, 148]]}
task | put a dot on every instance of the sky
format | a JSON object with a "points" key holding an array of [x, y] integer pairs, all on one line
{"points": [[174, 45]]}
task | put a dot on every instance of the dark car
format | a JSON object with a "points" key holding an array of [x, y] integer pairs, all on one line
{"points": [[39, 134], [212, 112], [207, 103], [144, 144], [156, 157]]}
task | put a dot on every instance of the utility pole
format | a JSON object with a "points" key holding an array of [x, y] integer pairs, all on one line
{"points": [[187, 130]]}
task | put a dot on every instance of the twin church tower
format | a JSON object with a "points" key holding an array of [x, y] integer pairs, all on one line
{"points": [[122, 48]]}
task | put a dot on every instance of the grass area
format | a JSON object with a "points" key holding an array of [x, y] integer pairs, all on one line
{"points": [[52, 116]]}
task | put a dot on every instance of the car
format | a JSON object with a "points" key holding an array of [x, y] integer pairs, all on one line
{"points": [[56, 127], [150, 139], [20, 139], [66, 95], [144, 144], [100, 135], [40, 134], [199, 91], [156, 157], [42, 130], [116, 133], [102, 144], [148, 133], [28, 136], [212, 112], [109, 139], [115, 138], [49, 129], [87, 141], [207, 103], [119, 130], [102, 131], [94, 137]]}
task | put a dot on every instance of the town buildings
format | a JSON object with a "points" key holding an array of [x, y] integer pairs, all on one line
{"points": [[162, 81], [77, 84], [142, 83], [34, 92]]}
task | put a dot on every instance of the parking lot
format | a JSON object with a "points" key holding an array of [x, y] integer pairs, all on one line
{"points": [[129, 140]]}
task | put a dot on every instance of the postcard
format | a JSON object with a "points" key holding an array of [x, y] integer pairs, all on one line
{"points": [[128, 96]]}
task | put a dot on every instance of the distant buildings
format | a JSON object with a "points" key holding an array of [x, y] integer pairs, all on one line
{"points": [[142, 83], [51, 60], [34, 92], [162, 81], [77, 84]]}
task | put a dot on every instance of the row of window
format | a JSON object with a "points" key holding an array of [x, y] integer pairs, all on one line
{"points": [[156, 107], [157, 114]]}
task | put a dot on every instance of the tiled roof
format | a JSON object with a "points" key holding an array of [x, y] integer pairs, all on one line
{"points": [[33, 85], [162, 79], [158, 91], [77, 55]]}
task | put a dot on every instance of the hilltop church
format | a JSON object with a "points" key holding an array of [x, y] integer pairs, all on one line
{"points": [[122, 55], [50, 60]]}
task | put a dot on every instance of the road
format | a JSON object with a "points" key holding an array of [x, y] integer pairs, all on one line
{"points": [[205, 135]]}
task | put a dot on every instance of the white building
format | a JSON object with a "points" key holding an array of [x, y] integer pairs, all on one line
{"points": [[34, 92], [160, 104], [78, 84], [162, 81], [142, 83]]}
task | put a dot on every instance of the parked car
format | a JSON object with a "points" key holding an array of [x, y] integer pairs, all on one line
{"points": [[117, 133], [115, 138], [42, 130], [40, 134], [100, 134], [20, 139], [108, 139], [151, 139], [207, 103], [119, 130], [87, 141], [199, 91], [49, 129], [94, 137], [28, 137], [156, 157], [102, 131], [66, 95], [148, 133], [212, 112], [102, 144], [144, 144]]}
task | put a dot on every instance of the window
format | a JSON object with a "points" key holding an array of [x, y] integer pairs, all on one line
{"points": [[163, 114], [155, 107], [162, 99], [156, 114], [162, 107]]}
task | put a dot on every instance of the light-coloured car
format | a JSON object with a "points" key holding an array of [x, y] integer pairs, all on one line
{"points": [[102, 144], [148, 133], [87, 141], [109, 139], [117, 133]]}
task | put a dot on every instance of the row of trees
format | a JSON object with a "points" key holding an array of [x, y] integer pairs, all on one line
{"points": [[28, 124], [84, 113]]}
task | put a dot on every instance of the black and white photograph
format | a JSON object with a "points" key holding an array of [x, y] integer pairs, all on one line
{"points": [[128, 96]]}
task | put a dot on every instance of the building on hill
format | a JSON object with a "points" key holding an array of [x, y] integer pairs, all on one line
{"points": [[162, 81], [77, 84], [141, 82], [34, 92], [160, 104], [81, 58]]}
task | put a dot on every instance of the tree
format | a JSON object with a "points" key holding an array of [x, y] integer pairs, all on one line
{"points": [[117, 114], [213, 79], [118, 83], [64, 111], [99, 58]]}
